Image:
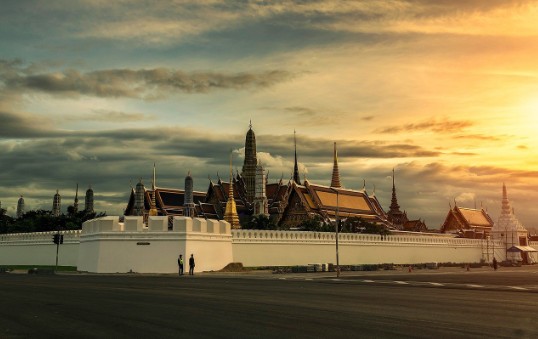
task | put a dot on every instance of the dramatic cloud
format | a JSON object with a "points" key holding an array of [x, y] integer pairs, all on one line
{"points": [[147, 84], [446, 126], [20, 125]]}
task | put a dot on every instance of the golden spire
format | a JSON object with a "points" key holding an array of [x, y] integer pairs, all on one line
{"points": [[335, 181], [230, 215], [153, 207]]}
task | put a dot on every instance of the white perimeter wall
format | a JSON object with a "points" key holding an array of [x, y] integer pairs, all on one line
{"points": [[38, 249], [107, 246], [285, 248]]}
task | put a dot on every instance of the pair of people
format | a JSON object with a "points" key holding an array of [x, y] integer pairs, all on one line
{"points": [[191, 264]]}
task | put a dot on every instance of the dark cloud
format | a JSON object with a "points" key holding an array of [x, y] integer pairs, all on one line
{"points": [[142, 83], [20, 125], [445, 126], [113, 116]]}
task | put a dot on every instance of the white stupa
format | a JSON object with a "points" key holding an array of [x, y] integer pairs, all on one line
{"points": [[511, 232]]}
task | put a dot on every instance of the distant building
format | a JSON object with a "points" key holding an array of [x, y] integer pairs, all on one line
{"points": [[468, 222], [513, 234], [56, 204], [20, 207], [88, 201]]}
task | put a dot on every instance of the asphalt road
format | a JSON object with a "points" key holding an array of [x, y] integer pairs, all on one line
{"points": [[127, 306]]}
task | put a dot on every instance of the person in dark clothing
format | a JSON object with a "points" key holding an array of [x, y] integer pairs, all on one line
{"points": [[191, 265], [495, 264], [180, 264]]}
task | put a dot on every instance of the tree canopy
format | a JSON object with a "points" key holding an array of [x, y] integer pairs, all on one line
{"points": [[43, 221]]}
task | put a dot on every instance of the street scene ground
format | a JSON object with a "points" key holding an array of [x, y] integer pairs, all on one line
{"points": [[449, 302]]}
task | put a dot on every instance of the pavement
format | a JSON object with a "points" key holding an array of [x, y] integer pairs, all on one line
{"points": [[260, 304]]}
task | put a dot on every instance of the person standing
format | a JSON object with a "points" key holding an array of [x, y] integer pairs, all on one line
{"points": [[191, 265], [495, 265], [180, 264]]}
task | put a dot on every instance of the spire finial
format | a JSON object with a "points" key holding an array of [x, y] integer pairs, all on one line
{"points": [[505, 207], [394, 201], [250, 124], [335, 181], [296, 177], [153, 183]]}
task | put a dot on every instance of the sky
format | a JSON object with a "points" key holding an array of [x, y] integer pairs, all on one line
{"points": [[445, 92]]}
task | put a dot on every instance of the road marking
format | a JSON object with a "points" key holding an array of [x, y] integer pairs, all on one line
{"points": [[435, 284], [335, 279], [474, 286], [308, 279], [368, 281], [402, 282], [518, 288]]}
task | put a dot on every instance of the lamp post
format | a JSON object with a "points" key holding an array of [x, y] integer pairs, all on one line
{"points": [[336, 227]]}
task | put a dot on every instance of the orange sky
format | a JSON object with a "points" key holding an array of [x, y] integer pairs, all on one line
{"points": [[443, 91]]}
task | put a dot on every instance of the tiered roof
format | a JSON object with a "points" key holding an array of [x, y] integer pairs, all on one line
{"points": [[460, 219]]}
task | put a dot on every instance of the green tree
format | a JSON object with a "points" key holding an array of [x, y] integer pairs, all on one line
{"points": [[260, 222], [359, 225], [316, 224], [42, 221]]}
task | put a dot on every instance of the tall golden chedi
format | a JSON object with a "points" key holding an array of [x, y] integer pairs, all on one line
{"points": [[230, 215]]}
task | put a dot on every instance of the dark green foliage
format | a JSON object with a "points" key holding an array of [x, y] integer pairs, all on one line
{"points": [[260, 222], [347, 225], [316, 224], [42, 221], [358, 225]]}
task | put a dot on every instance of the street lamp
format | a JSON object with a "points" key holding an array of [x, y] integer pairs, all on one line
{"points": [[336, 227]]}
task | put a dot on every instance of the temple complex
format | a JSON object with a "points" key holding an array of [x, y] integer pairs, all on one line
{"points": [[287, 204]]}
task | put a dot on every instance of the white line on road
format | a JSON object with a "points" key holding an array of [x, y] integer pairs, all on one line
{"points": [[402, 282], [518, 288], [368, 281], [474, 286], [435, 284]]}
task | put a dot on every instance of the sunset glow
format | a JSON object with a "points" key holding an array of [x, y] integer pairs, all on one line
{"points": [[445, 92]]}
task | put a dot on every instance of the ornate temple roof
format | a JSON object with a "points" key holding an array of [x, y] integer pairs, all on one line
{"points": [[322, 200], [463, 219]]}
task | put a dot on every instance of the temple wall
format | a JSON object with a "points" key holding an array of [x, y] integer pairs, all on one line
{"points": [[107, 246], [38, 249], [285, 248]]}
